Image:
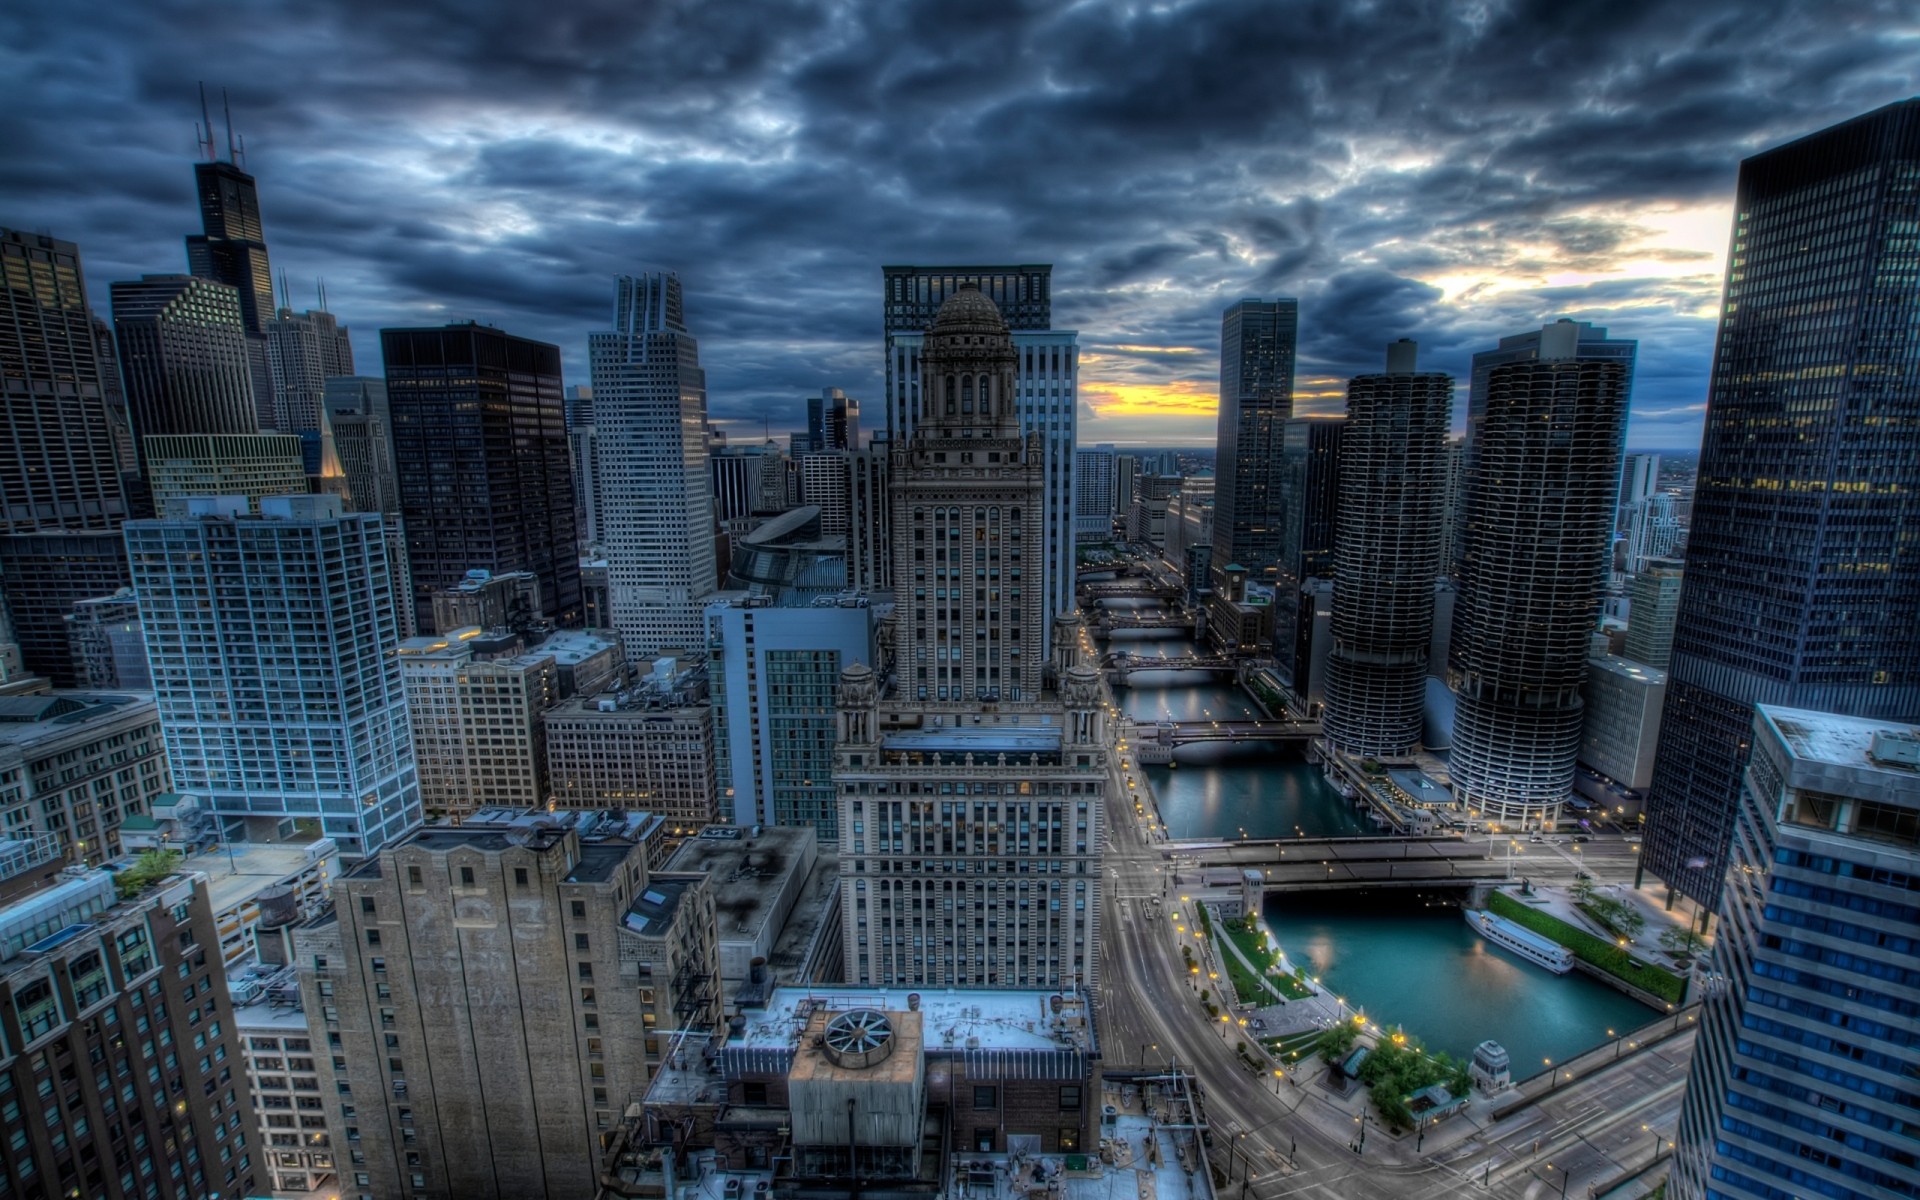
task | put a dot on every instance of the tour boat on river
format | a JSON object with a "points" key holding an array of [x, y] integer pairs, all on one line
{"points": [[1537, 949]]}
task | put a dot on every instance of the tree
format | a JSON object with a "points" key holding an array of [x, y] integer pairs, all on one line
{"points": [[150, 868], [1583, 890], [1682, 941]]}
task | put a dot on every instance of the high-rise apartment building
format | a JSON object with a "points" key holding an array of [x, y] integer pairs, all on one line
{"points": [[1653, 607], [231, 249], [63, 472], [1653, 531], [1639, 480], [271, 643], [253, 465], [1309, 507], [184, 357], [870, 517], [304, 350], [485, 478], [1542, 481], [1257, 340], [655, 501], [1093, 492], [774, 666], [124, 1074], [998, 881], [1046, 384], [1799, 1082], [1126, 468], [1592, 344], [496, 994], [1802, 581], [476, 702], [42, 576], [1387, 552]]}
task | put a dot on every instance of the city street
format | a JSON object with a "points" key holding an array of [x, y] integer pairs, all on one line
{"points": [[1587, 1132]]}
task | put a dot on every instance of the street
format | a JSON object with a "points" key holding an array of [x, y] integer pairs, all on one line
{"points": [[1585, 1133]]}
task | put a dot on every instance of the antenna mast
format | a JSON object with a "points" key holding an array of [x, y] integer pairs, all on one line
{"points": [[203, 132], [228, 109]]}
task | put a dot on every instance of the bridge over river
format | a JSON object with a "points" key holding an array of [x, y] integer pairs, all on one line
{"points": [[1311, 864]]}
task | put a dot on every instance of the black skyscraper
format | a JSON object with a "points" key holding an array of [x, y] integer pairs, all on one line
{"points": [[486, 481], [1803, 571], [231, 248], [61, 468], [1309, 500], [1256, 398]]}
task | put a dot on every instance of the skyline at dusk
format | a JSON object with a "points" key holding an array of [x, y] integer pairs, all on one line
{"points": [[1402, 170]]}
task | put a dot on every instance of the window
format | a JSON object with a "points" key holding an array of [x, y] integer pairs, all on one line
{"points": [[1070, 1098], [585, 970], [413, 876], [466, 876], [519, 877], [753, 1093], [366, 905], [579, 910], [373, 937], [580, 941], [986, 1097], [1069, 1140]]}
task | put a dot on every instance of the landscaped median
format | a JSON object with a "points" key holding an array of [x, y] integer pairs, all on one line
{"points": [[1592, 950], [1263, 987]]}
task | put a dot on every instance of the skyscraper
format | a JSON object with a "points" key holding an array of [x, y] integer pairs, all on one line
{"points": [[1802, 577], [1046, 382], [223, 464], [183, 357], [271, 643], [833, 420], [42, 576], [1387, 551], [304, 350], [1654, 596], [231, 248], [655, 499], [974, 714], [363, 434], [1539, 505], [62, 472], [1593, 343], [1256, 398], [121, 966], [1309, 505], [1798, 1081], [1093, 492], [1639, 479], [481, 448]]}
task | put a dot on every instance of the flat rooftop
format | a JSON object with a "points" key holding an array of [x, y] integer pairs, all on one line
{"points": [[251, 867], [1626, 668], [794, 947], [747, 873], [1818, 737], [954, 1017], [25, 720], [571, 646]]}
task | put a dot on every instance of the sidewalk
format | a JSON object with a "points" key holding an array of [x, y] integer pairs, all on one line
{"points": [[1649, 902]]}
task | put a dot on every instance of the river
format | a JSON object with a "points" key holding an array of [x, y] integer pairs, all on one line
{"points": [[1405, 958]]}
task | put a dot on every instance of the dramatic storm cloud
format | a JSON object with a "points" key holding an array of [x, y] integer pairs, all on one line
{"points": [[1443, 171]]}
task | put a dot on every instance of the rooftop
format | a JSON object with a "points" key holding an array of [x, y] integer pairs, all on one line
{"points": [[1626, 668], [238, 871], [25, 720], [793, 950], [571, 646], [955, 1018], [1835, 740], [748, 872], [652, 912]]}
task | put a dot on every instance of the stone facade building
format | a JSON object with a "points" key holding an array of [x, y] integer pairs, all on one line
{"points": [[494, 989]]}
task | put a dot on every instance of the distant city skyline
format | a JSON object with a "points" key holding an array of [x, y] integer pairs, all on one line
{"points": [[1522, 168]]}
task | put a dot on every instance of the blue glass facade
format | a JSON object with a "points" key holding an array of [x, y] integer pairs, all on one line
{"points": [[1801, 586], [1806, 1079]]}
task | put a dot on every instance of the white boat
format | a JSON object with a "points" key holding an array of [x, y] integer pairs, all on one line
{"points": [[1536, 948]]}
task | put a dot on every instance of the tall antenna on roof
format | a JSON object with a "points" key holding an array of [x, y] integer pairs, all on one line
{"points": [[203, 132], [228, 109]]}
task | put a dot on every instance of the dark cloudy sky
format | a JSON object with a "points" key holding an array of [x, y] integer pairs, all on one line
{"points": [[1445, 171]]}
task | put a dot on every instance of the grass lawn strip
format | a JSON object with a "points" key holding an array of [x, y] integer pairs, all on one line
{"points": [[1590, 949]]}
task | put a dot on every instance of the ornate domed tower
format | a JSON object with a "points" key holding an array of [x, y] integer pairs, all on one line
{"points": [[968, 541]]}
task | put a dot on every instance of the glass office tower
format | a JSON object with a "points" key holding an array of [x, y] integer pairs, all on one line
{"points": [[1802, 573]]}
